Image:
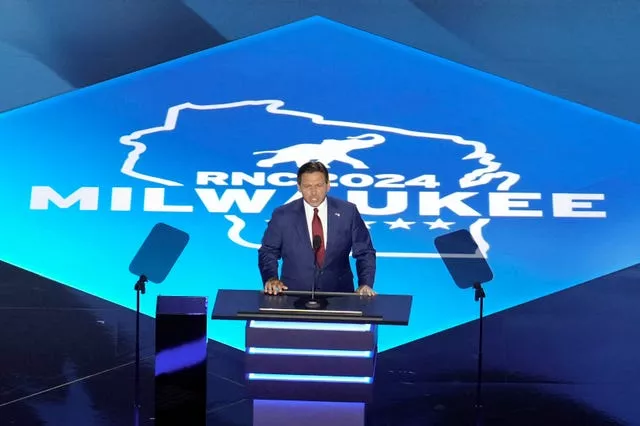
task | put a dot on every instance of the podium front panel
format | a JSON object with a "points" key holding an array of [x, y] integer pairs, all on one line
{"points": [[310, 361]]}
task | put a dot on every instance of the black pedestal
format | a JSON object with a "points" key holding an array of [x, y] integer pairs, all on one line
{"points": [[181, 361]]}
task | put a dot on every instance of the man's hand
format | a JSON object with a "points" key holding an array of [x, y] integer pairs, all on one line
{"points": [[365, 290], [274, 286]]}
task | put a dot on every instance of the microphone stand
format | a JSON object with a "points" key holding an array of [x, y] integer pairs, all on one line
{"points": [[313, 303], [479, 296], [139, 288]]}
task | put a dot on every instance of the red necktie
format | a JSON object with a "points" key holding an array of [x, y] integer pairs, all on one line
{"points": [[316, 229]]}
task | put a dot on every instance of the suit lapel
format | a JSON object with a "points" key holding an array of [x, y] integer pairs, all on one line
{"points": [[301, 224]]}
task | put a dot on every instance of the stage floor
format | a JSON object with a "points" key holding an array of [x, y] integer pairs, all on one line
{"points": [[68, 359]]}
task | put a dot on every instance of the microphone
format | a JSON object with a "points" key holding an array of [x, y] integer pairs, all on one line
{"points": [[317, 242]]}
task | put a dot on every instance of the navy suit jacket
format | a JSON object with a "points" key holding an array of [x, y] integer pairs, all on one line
{"points": [[287, 238]]}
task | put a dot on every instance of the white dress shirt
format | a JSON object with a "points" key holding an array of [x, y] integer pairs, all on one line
{"points": [[322, 213]]}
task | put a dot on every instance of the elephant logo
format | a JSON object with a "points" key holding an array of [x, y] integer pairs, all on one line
{"points": [[327, 151]]}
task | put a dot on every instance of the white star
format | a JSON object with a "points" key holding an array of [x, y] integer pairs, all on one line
{"points": [[369, 223], [439, 224], [399, 223]]}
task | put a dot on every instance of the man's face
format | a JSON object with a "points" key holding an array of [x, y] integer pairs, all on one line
{"points": [[313, 188]]}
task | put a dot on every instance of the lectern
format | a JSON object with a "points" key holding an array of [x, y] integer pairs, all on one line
{"points": [[325, 354]]}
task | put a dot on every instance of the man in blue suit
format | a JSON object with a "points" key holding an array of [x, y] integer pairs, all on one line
{"points": [[316, 230]]}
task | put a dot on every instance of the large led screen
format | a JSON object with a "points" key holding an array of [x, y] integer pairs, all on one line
{"points": [[210, 144]]}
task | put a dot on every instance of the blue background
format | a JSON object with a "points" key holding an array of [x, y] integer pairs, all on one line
{"points": [[342, 74]]}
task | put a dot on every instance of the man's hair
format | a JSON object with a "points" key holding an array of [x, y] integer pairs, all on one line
{"points": [[313, 166]]}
